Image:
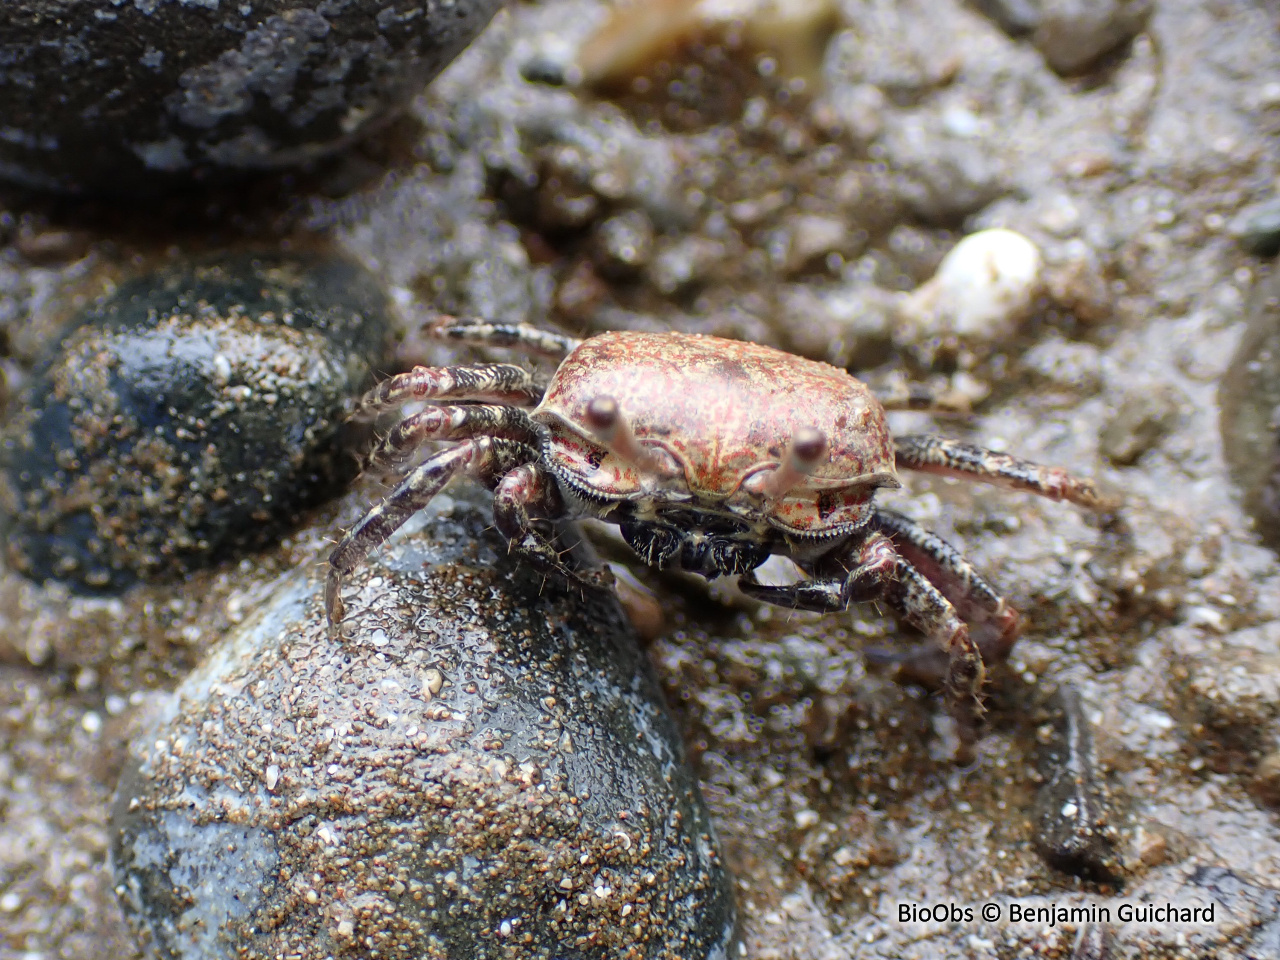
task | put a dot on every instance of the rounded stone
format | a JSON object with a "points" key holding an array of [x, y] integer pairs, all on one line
{"points": [[1073, 35], [132, 96], [1249, 403], [982, 291], [1258, 228], [189, 416], [480, 766]]}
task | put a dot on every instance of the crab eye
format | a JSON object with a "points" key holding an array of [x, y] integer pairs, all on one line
{"points": [[602, 417], [807, 448]]}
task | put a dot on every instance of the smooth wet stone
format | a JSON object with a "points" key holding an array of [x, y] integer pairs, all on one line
{"points": [[132, 96], [1249, 403], [481, 767], [188, 417], [1258, 228]]}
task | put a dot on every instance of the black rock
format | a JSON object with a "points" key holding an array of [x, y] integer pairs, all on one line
{"points": [[130, 96], [1249, 408], [189, 416], [1258, 228], [479, 766]]}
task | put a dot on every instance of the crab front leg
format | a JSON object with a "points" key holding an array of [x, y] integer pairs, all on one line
{"points": [[880, 572], [525, 502], [977, 602], [873, 563], [486, 458]]}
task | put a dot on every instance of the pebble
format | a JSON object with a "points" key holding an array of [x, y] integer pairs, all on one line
{"points": [[480, 766], [187, 417], [984, 288], [560, 171], [636, 37], [1073, 35], [624, 244], [112, 97], [1249, 408], [813, 239], [1142, 419], [1076, 819], [1258, 228]]}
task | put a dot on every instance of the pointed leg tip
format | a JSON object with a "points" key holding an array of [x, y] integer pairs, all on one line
{"points": [[334, 609]]}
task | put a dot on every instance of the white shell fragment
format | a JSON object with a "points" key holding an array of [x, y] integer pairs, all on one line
{"points": [[638, 36], [984, 288]]}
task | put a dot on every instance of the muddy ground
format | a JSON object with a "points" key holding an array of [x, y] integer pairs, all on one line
{"points": [[737, 205]]}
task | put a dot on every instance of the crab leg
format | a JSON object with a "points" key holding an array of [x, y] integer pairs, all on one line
{"points": [[953, 458], [485, 458], [875, 563], [910, 594], [450, 422], [492, 382], [478, 332], [957, 579], [525, 500]]}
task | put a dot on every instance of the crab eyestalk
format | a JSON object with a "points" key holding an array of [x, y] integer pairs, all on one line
{"points": [[806, 452], [604, 419]]}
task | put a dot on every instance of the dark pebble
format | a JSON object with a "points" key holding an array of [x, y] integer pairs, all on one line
{"points": [[481, 767], [1249, 402], [189, 416], [1073, 35], [1075, 818], [123, 97], [1258, 228]]}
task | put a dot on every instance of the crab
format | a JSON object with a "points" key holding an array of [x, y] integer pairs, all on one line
{"points": [[710, 455]]}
